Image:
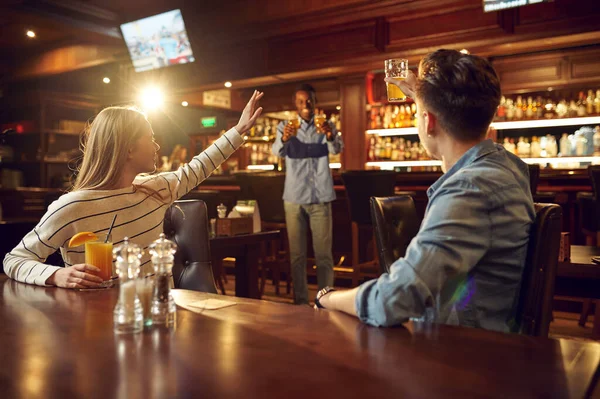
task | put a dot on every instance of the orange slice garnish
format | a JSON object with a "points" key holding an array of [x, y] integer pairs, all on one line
{"points": [[81, 238]]}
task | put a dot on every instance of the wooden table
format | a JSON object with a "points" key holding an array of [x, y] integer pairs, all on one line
{"points": [[246, 250], [580, 277], [59, 343]]}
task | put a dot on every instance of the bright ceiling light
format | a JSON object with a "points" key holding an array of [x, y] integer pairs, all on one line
{"points": [[464, 51], [106, 80], [151, 98], [228, 84], [184, 104], [30, 34]]}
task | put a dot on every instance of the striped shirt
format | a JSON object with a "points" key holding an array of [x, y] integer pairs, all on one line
{"points": [[140, 209]]}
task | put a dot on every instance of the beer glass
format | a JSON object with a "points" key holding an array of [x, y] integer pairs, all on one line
{"points": [[397, 69]]}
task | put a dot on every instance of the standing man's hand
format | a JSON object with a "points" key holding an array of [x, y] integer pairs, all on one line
{"points": [[288, 132], [328, 131], [250, 113]]}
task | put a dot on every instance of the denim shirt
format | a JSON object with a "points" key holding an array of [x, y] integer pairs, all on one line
{"points": [[467, 260], [308, 177]]}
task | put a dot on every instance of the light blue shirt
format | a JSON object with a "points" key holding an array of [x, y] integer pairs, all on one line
{"points": [[467, 260], [308, 178]]}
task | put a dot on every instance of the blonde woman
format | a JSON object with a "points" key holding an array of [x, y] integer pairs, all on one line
{"points": [[117, 149]]}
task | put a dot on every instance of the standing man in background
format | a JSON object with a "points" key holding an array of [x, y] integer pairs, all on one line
{"points": [[308, 189]]}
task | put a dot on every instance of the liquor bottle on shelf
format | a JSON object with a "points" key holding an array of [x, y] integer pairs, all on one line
{"points": [[551, 146], [573, 109], [510, 110], [521, 147], [401, 149], [407, 147], [597, 103], [562, 109], [549, 109], [596, 141], [501, 112], [580, 144], [530, 112], [395, 151], [543, 146], [565, 145], [539, 113], [589, 102], [387, 122], [581, 105], [371, 153], [519, 112], [536, 149], [414, 151], [413, 111], [408, 116], [513, 146], [506, 144]]}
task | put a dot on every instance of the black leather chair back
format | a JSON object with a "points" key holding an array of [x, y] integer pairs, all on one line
{"points": [[361, 185], [396, 223], [534, 311], [186, 224], [267, 189]]}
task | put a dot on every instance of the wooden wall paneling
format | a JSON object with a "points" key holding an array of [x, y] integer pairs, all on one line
{"points": [[354, 121], [585, 68], [522, 74], [407, 31], [326, 47], [558, 69]]}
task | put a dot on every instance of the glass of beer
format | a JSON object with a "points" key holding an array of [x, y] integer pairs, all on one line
{"points": [[397, 69], [320, 120], [295, 123], [99, 253]]}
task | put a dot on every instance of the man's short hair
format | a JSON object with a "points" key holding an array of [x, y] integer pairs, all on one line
{"points": [[462, 90], [307, 88]]}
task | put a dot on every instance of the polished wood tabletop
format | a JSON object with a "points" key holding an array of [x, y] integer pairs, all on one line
{"points": [[58, 343]]}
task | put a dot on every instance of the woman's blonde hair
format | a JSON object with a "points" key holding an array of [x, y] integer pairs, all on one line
{"points": [[105, 146]]}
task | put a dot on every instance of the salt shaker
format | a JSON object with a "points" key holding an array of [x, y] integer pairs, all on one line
{"points": [[163, 306], [128, 314]]}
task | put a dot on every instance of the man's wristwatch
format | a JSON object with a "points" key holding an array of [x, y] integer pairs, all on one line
{"points": [[320, 295]]}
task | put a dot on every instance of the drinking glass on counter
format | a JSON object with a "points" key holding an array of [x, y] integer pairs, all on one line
{"points": [[99, 253], [397, 69]]}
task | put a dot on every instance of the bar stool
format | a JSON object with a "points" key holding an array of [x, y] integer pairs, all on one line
{"points": [[267, 189], [361, 185]]}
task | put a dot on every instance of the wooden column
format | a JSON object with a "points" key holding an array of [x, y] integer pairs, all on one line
{"points": [[354, 121]]}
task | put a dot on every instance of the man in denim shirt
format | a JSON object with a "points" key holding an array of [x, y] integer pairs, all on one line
{"points": [[308, 190], [465, 265]]}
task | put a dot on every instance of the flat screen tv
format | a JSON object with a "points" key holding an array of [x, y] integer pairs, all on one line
{"points": [[158, 41], [497, 5]]}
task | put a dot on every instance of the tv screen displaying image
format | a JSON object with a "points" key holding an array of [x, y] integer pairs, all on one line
{"points": [[157, 41], [496, 5]]}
